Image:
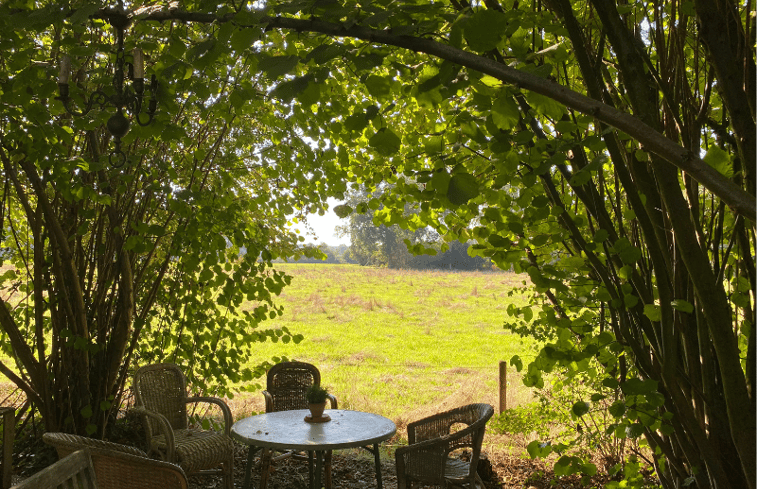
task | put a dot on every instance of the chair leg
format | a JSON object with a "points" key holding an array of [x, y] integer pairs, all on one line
{"points": [[265, 467], [476, 481], [228, 473], [327, 470]]}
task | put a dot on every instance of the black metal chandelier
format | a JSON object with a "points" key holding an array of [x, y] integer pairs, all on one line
{"points": [[124, 97]]}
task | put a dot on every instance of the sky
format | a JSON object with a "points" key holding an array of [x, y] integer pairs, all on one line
{"points": [[324, 227]]}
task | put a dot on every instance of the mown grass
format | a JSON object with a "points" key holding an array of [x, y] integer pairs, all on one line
{"points": [[400, 343]]}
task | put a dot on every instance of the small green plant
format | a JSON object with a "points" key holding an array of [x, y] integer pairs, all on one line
{"points": [[316, 394], [525, 419]]}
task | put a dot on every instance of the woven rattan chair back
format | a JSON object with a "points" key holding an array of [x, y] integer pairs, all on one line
{"points": [[119, 466], [432, 439], [162, 388], [75, 471], [120, 470], [287, 384]]}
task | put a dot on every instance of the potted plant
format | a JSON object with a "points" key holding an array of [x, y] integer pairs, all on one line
{"points": [[316, 396]]}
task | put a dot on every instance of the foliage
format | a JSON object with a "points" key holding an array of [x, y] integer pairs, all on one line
{"points": [[525, 419], [107, 265], [605, 148], [595, 430], [317, 394], [564, 141]]}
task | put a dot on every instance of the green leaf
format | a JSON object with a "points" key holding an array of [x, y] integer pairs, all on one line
{"points": [[433, 145], [82, 13], [538, 449], [439, 182], [385, 141], [682, 305], [276, 66], [516, 362], [485, 29], [498, 241], [545, 105], [636, 387], [287, 90], [342, 211], [580, 408], [635, 430], [243, 38], [719, 160], [589, 469], [462, 188], [617, 409], [625, 272], [86, 412], [324, 53], [505, 113], [378, 86], [652, 311]]}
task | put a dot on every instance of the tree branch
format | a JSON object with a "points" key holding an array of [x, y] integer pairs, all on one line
{"points": [[684, 159]]}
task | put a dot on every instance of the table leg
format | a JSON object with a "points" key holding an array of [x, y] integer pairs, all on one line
{"points": [[248, 469], [310, 469], [377, 458], [316, 484]]}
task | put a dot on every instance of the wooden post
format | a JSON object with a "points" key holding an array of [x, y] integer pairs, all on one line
{"points": [[502, 386], [9, 432]]}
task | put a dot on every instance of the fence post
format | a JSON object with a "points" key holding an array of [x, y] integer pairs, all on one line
{"points": [[502, 386], [9, 431]]}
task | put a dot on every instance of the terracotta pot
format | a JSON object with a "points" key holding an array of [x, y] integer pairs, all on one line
{"points": [[316, 410]]}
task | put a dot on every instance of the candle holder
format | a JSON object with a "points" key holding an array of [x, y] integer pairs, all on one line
{"points": [[127, 98]]}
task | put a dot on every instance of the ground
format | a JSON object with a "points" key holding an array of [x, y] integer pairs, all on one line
{"points": [[354, 469]]}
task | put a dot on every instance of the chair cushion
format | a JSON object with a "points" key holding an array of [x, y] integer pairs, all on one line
{"points": [[456, 469], [197, 450]]}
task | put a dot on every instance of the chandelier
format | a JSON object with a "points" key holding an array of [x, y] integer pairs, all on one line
{"points": [[124, 97]]}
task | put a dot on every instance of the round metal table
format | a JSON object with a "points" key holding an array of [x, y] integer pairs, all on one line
{"points": [[288, 430]]}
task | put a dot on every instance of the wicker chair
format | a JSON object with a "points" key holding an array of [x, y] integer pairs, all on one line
{"points": [[74, 471], [161, 399], [286, 388], [431, 440], [120, 466]]}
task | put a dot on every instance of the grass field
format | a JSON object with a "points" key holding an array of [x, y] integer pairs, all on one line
{"points": [[400, 343]]}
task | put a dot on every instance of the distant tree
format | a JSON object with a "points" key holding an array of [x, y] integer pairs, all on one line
{"points": [[377, 244]]}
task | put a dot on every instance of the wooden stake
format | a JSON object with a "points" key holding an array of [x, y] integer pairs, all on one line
{"points": [[502, 386]]}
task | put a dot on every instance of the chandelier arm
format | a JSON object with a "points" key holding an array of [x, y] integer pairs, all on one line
{"points": [[97, 97]]}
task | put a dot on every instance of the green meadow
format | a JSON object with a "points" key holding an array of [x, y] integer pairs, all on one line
{"points": [[400, 343]]}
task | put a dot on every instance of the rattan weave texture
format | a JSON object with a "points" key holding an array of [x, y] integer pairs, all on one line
{"points": [[431, 440], [161, 398], [287, 384], [119, 466]]}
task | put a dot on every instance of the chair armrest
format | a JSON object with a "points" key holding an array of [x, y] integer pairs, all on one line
{"points": [[268, 401], [66, 444], [332, 401], [227, 419], [165, 429]]}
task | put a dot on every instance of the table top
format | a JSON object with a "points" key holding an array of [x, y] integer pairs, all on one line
{"points": [[289, 430]]}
